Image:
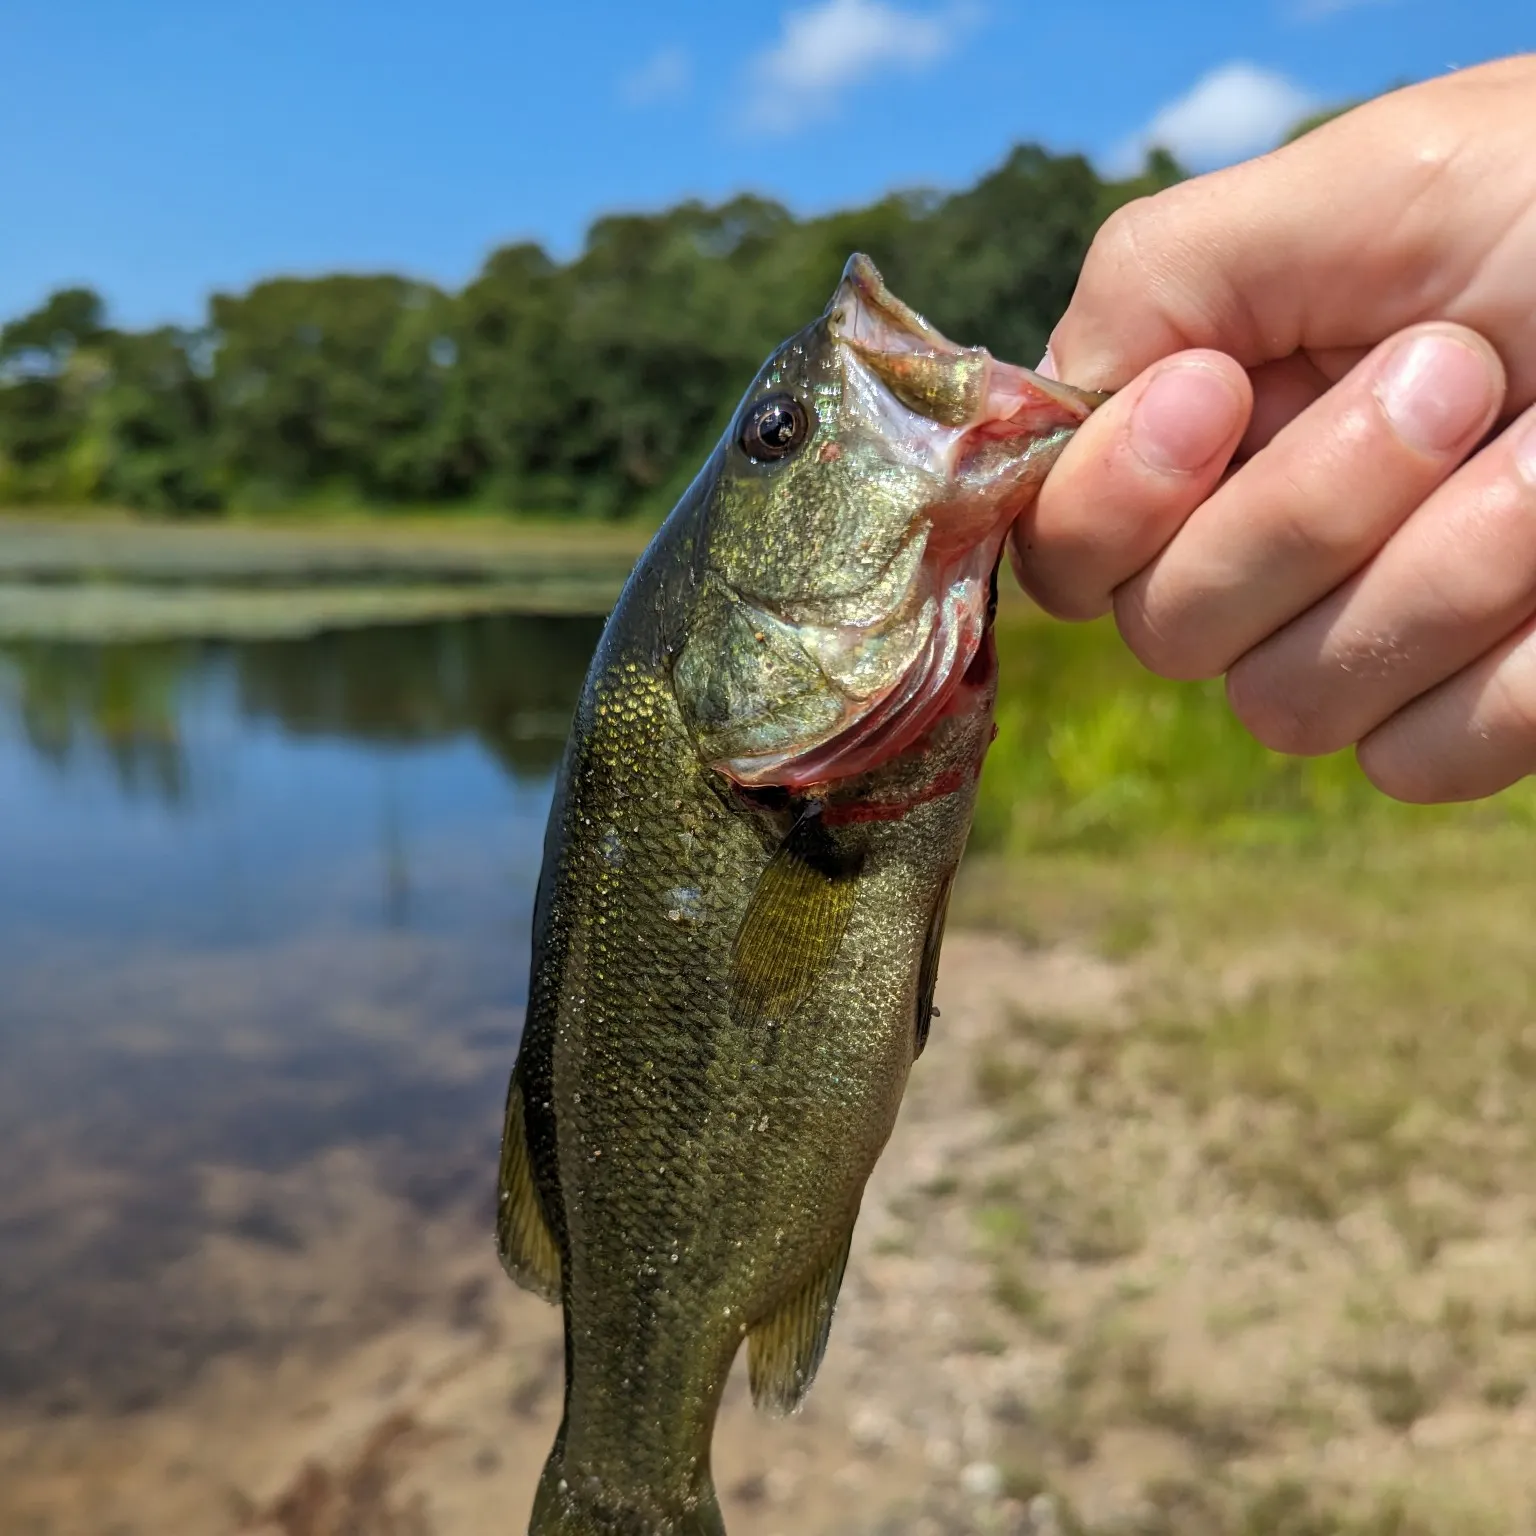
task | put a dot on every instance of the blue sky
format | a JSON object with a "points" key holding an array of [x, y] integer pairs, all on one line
{"points": [[165, 149]]}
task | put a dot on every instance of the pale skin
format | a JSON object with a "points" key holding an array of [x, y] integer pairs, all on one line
{"points": [[1318, 476]]}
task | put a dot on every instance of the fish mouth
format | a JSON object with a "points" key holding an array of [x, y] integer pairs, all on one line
{"points": [[961, 401], [986, 431]]}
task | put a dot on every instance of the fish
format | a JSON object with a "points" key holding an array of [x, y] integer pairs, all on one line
{"points": [[764, 797]]}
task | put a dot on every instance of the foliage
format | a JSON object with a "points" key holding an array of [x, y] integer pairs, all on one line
{"points": [[1093, 752], [594, 387]]}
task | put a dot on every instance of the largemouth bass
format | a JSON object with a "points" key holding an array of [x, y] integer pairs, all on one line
{"points": [[764, 798]]}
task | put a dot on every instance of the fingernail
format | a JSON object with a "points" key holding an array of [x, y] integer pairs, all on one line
{"points": [[1185, 417], [1046, 367], [1436, 392], [1525, 449]]}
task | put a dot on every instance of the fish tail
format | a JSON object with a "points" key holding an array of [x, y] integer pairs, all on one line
{"points": [[569, 1504]]}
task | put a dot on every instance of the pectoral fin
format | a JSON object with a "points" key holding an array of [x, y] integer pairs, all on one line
{"points": [[793, 925], [523, 1239], [784, 1350]]}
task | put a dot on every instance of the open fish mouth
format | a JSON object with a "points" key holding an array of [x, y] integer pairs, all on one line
{"points": [[985, 432], [957, 402]]}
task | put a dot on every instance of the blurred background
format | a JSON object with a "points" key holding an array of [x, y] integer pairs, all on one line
{"points": [[348, 357]]}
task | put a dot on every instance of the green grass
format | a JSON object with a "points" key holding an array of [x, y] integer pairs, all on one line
{"points": [[103, 579], [1093, 752], [1359, 973]]}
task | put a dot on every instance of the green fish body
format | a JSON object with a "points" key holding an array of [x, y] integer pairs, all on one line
{"points": [[765, 796]]}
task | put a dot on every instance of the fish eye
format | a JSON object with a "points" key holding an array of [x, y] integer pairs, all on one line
{"points": [[774, 428]]}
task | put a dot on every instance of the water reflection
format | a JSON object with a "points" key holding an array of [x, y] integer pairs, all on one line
{"points": [[119, 701], [506, 681], [263, 929]]}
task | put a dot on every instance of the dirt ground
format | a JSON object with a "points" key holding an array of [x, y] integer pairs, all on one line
{"points": [[1064, 1313]]}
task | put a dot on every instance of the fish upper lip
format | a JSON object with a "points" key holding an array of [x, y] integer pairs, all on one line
{"points": [[956, 390], [941, 383], [863, 304]]}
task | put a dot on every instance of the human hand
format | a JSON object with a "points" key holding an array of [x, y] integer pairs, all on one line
{"points": [[1295, 485]]}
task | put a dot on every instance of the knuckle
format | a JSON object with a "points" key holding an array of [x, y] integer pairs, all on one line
{"points": [[1112, 240], [1123, 239], [1057, 583], [1074, 605], [1172, 650], [1400, 773], [1120, 246], [1277, 714]]}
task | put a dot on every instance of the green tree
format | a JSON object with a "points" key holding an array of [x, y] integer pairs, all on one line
{"points": [[593, 387], [337, 386], [51, 366]]}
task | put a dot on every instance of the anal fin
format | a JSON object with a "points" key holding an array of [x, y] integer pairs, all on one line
{"points": [[523, 1239], [784, 1351]]}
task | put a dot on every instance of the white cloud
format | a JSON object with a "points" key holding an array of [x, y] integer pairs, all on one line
{"points": [[665, 75], [825, 49], [1233, 112]]}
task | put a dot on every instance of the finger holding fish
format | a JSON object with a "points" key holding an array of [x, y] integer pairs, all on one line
{"points": [[1308, 266], [1128, 481], [1314, 505], [1455, 580], [1221, 568]]}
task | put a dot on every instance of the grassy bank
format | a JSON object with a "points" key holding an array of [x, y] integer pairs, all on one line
{"points": [[1273, 1215], [86, 578], [66, 545], [1094, 752]]}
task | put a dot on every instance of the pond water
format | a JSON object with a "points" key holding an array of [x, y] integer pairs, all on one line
{"points": [[264, 920]]}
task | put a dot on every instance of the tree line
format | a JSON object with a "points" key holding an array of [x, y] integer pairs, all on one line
{"points": [[591, 388]]}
